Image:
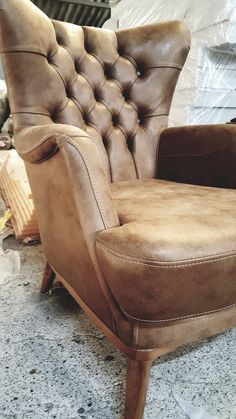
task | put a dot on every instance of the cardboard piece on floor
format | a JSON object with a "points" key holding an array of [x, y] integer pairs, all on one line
{"points": [[18, 197]]}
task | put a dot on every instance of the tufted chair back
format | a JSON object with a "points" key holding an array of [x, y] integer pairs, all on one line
{"points": [[117, 86]]}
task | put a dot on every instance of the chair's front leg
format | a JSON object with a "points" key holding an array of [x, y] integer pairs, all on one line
{"points": [[137, 378], [48, 278]]}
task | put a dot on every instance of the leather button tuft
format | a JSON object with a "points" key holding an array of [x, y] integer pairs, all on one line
{"points": [[49, 59], [140, 119], [96, 95], [115, 119], [126, 95], [107, 72], [68, 93]]}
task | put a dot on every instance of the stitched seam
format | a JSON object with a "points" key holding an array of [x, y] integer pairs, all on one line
{"points": [[92, 183], [155, 115], [48, 137], [48, 157], [232, 252], [179, 318], [77, 104], [175, 67], [31, 113], [84, 76], [24, 51], [60, 44], [162, 65], [74, 80], [130, 59], [55, 67], [64, 107], [164, 266]]}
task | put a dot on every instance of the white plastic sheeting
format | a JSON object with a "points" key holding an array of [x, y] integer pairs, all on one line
{"points": [[193, 412], [9, 260], [206, 90], [130, 13]]}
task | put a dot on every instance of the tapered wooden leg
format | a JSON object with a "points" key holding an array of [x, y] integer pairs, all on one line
{"points": [[48, 278], [138, 373]]}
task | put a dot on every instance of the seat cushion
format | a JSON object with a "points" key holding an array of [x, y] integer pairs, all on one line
{"points": [[174, 255]]}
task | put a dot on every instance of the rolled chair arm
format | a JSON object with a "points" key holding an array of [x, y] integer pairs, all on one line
{"points": [[73, 202], [88, 181], [38, 143], [202, 155]]}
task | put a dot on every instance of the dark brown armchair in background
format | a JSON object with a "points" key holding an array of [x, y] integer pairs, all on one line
{"points": [[152, 262]]}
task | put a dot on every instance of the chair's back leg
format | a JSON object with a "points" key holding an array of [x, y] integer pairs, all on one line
{"points": [[48, 278], [137, 378]]}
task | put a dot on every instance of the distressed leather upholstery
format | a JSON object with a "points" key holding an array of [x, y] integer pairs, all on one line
{"points": [[96, 80], [179, 240], [135, 233], [203, 155]]}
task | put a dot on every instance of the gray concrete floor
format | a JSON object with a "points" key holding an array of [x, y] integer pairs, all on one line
{"points": [[55, 364]]}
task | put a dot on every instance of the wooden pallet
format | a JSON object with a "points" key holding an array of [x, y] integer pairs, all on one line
{"points": [[18, 197]]}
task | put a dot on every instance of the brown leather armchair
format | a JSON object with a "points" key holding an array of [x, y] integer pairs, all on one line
{"points": [[144, 240]]}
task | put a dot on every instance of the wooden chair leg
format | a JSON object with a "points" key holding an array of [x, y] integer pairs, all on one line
{"points": [[48, 278], [137, 378]]}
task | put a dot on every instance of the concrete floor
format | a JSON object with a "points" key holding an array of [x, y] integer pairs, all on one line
{"points": [[55, 364]]}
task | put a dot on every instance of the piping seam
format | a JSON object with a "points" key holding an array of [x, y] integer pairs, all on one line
{"points": [[193, 316], [151, 263], [91, 180]]}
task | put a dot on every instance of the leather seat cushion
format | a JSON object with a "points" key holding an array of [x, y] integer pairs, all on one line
{"points": [[174, 255]]}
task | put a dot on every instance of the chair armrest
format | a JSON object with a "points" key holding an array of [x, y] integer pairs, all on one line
{"points": [[88, 181], [39, 143], [202, 155], [73, 204]]}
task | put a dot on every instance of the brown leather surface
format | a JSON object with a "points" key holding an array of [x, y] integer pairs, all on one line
{"points": [[174, 254], [73, 203], [89, 106], [203, 155], [170, 335], [94, 79]]}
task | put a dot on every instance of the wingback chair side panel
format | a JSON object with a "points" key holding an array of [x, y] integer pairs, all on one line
{"points": [[68, 243]]}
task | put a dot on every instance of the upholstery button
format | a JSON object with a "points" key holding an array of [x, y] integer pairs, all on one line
{"points": [[96, 95], [140, 119], [50, 56], [68, 94], [126, 95], [114, 119], [138, 73], [107, 72]]}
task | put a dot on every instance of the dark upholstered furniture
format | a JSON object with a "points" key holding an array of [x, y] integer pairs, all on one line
{"points": [[138, 221]]}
